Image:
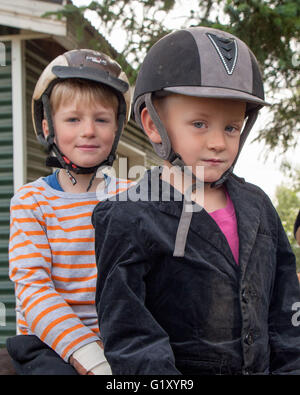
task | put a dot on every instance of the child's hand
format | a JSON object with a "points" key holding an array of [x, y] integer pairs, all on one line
{"points": [[78, 367], [90, 360]]}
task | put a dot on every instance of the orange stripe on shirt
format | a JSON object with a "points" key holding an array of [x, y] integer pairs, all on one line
{"points": [[45, 312], [65, 333], [75, 279], [76, 291], [27, 275], [29, 206], [18, 245], [77, 204], [56, 322], [13, 272], [34, 232], [27, 220], [75, 342], [71, 217], [124, 182], [76, 240], [15, 234], [45, 268], [33, 193], [28, 256], [73, 229], [29, 194], [74, 265], [27, 299], [76, 253], [31, 186], [22, 322], [118, 190], [23, 331], [80, 302], [37, 282], [46, 215], [43, 246], [29, 242], [39, 300]]}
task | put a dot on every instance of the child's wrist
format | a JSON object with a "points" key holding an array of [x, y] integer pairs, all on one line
{"points": [[92, 359]]}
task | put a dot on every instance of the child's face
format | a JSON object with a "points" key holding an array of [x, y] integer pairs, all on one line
{"points": [[84, 133], [205, 132]]}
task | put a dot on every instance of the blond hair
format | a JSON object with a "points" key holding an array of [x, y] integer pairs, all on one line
{"points": [[80, 90]]}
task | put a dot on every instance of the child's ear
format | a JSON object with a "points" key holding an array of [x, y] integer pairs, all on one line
{"points": [[150, 127], [45, 128]]}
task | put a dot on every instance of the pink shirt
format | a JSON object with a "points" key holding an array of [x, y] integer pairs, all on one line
{"points": [[226, 220]]}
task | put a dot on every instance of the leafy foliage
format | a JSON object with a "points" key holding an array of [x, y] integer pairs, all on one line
{"points": [[288, 205]]}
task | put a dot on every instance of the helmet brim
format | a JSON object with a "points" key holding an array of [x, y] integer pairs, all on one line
{"points": [[216, 93], [92, 74]]}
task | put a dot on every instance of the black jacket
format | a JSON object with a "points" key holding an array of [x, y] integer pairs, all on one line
{"points": [[201, 313]]}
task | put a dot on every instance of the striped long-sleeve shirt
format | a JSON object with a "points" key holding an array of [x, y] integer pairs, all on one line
{"points": [[52, 263]]}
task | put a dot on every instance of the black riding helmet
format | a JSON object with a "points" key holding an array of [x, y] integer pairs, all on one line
{"points": [[87, 65], [202, 62]]}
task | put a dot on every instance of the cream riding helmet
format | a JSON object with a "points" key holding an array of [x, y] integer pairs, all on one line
{"points": [[80, 64], [201, 62]]}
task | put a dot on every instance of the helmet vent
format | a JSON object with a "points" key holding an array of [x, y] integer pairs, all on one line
{"points": [[227, 51]]}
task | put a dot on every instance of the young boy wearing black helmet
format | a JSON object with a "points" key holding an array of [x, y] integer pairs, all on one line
{"points": [[190, 289], [80, 105]]}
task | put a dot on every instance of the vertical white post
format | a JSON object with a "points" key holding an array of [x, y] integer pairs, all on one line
{"points": [[2, 54], [2, 314], [19, 117], [19, 112]]}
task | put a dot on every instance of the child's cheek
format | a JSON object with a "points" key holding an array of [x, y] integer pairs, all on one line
{"points": [[108, 137]]}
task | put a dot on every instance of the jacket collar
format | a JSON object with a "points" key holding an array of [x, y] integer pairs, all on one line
{"points": [[247, 204]]}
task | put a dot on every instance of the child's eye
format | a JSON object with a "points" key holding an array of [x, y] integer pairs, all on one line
{"points": [[72, 119], [102, 120], [231, 129], [199, 124]]}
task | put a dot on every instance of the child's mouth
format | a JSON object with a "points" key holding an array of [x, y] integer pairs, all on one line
{"points": [[87, 147], [213, 161]]}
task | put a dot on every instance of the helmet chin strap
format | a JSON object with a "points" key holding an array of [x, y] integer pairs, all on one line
{"points": [[53, 161]]}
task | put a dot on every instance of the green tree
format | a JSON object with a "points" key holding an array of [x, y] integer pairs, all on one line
{"points": [[271, 28], [287, 205]]}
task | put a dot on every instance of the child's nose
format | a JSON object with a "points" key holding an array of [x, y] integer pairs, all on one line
{"points": [[216, 140], [88, 128]]}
